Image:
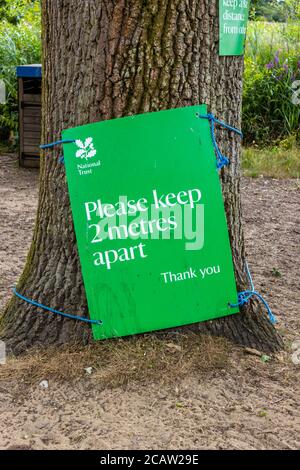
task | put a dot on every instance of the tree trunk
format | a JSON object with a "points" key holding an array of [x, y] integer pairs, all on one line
{"points": [[111, 58]]}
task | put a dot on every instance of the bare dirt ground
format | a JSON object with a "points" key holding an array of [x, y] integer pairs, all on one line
{"points": [[241, 403]]}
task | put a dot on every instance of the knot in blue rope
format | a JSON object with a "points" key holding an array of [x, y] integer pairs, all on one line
{"points": [[208, 116], [222, 160], [245, 296]]}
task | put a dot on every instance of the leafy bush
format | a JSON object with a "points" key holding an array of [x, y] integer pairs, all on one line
{"points": [[19, 44], [272, 64], [274, 10]]}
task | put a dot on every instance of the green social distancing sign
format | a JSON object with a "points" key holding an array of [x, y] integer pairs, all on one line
{"points": [[233, 17], [150, 222]]}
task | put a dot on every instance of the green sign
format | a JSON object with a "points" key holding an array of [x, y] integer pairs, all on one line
{"points": [[150, 222], [233, 16]]}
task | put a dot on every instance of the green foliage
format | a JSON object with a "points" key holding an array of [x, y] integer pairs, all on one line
{"points": [[272, 64], [275, 10], [280, 161], [14, 10], [268, 112], [20, 43]]}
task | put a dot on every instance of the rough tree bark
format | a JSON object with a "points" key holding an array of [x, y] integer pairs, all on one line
{"points": [[110, 58]]}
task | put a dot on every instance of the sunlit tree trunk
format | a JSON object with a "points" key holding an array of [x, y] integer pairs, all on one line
{"points": [[112, 58]]}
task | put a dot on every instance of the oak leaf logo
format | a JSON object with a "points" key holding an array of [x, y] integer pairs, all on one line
{"points": [[86, 149]]}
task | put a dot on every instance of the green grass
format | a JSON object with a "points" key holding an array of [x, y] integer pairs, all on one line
{"points": [[276, 162]]}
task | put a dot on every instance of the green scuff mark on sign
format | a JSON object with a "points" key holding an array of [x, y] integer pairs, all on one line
{"points": [[132, 182], [233, 16]]}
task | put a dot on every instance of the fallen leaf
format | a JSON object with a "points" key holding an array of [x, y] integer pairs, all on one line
{"points": [[252, 351], [174, 346]]}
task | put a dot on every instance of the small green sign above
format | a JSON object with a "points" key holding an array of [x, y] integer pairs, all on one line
{"points": [[150, 222], [233, 16]]}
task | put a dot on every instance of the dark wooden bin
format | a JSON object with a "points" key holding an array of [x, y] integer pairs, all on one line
{"points": [[30, 81]]}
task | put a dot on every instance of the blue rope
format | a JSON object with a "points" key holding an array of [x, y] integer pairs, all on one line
{"points": [[245, 296], [68, 315], [58, 142], [222, 160]]}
